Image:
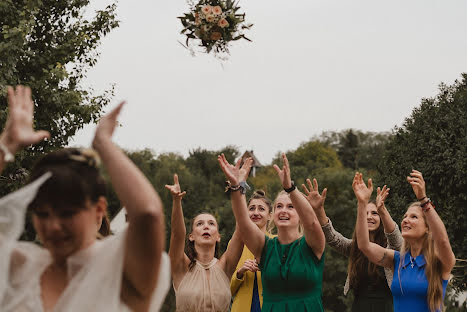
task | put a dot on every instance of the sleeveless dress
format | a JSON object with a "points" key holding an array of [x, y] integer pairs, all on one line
{"points": [[197, 293], [372, 294], [94, 273], [292, 277], [410, 291]]}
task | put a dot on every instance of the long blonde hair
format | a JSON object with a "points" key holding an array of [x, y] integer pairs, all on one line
{"points": [[433, 267], [272, 225]]}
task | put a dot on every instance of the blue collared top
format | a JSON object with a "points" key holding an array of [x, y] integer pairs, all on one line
{"points": [[410, 291]]}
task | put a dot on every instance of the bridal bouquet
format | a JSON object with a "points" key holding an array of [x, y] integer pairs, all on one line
{"points": [[213, 24]]}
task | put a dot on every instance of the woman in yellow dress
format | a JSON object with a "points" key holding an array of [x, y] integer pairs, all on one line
{"points": [[246, 284]]}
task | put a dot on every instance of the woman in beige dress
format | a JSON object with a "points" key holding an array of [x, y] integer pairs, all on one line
{"points": [[201, 280]]}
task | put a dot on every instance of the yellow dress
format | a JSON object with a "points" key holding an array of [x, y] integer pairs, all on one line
{"points": [[242, 289]]}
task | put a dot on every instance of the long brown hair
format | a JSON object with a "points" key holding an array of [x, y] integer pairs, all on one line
{"points": [[190, 245], [358, 262], [433, 267]]}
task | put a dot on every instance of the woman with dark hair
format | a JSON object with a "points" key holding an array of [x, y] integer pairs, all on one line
{"points": [[423, 266], [370, 283], [245, 285], [291, 263], [200, 280], [72, 271]]}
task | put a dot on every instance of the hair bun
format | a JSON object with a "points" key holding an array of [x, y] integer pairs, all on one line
{"points": [[260, 193]]}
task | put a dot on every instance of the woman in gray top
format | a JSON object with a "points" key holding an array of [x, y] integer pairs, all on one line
{"points": [[370, 284]]}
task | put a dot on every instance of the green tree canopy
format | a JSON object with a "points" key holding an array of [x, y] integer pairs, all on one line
{"points": [[433, 140], [49, 45]]}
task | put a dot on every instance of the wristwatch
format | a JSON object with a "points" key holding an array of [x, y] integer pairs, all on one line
{"points": [[242, 187], [291, 188]]}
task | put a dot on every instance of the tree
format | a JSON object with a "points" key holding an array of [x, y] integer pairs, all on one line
{"points": [[433, 140], [356, 149], [49, 46]]}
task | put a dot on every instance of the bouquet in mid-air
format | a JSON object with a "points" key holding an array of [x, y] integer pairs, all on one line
{"points": [[213, 24]]}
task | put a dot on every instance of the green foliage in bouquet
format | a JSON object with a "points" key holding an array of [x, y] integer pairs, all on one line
{"points": [[213, 24]]}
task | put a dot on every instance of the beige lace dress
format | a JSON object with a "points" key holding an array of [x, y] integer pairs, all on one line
{"points": [[199, 293]]}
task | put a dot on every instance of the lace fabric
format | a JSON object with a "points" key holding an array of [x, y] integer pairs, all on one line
{"points": [[95, 273]]}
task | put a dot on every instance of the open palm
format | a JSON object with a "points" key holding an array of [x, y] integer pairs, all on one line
{"points": [[362, 192]]}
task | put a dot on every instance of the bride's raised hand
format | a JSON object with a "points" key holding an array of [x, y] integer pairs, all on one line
{"points": [[284, 173], [362, 192], [106, 126], [175, 189], [19, 131]]}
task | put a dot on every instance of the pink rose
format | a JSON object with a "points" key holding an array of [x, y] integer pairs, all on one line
{"points": [[223, 23], [217, 10], [216, 35], [210, 18], [206, 9]]}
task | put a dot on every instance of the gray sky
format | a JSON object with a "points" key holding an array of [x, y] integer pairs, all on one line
{"points": [[312, 66]]}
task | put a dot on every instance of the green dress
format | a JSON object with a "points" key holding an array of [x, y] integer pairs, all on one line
{"points": [[292, 276]]}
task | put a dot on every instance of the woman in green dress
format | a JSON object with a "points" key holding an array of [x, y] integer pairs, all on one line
{"points": [[291, 263]]}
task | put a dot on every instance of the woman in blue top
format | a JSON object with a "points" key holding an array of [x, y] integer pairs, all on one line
{"points": [[422, 268]]}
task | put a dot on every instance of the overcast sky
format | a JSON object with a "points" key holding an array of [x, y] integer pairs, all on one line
{"points": [[313, 66]]}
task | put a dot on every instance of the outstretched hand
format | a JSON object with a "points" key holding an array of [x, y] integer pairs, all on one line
{"points": [[381, 195], [362, 192], [418, 184], [312, 195], [175, 189], [235, 174], [284, 173], [107, 124], [19, 130]]}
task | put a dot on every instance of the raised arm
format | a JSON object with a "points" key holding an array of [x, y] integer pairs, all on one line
{"points": [[178, 259], [251, 235], [146, 234], [335, 239], [314, 235], [19, 131], [388, 222], [443, 248], [231, 256], [374, 252], [391, 230]]}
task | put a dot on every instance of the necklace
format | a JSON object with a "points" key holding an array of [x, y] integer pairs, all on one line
{"points": [[412, 261]]}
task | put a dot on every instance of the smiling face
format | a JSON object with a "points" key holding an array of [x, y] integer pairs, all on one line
{"points": [[65, 231], [259, 213], [413, 225], [285, 215], [372, 217], [204, 230]]}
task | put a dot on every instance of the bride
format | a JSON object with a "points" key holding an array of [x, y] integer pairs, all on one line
{"points": [[73, 271]]}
